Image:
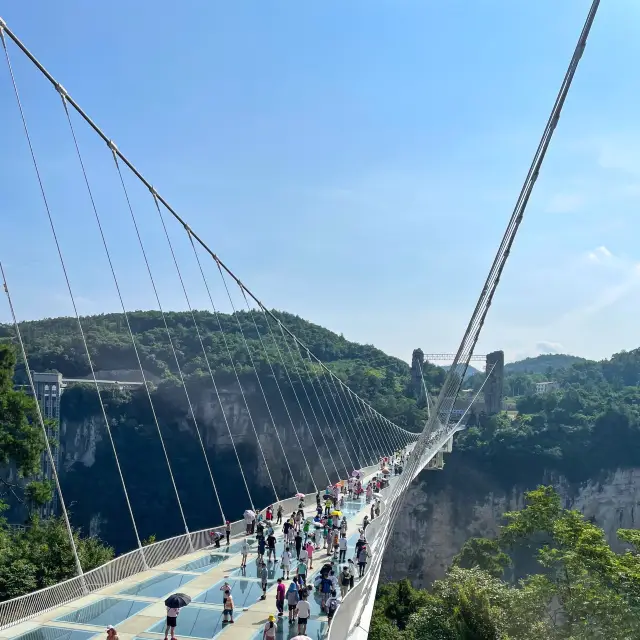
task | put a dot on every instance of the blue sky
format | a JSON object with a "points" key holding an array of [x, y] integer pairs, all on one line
{"points": [[354, 162]]}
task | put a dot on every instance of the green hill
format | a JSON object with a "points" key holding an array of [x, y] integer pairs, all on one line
{"points": [[542, 363], [55, 344]]}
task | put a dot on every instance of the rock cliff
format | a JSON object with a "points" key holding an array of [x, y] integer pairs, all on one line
{"points": [[443, 509]]}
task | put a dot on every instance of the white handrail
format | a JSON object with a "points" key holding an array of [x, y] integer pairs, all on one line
{"points": [[32, 604]]}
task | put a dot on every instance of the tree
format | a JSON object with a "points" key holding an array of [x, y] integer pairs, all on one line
{"points": [[40, 555], [484, 554]]}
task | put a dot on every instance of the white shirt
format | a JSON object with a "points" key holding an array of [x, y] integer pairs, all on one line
{"points": [[303, 554], [286, 558], [343, 544], [245, 547], [172, 612], [304, 609]]}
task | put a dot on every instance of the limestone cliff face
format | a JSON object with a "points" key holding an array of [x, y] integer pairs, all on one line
{"points": [[92, 486], [443, 509]]}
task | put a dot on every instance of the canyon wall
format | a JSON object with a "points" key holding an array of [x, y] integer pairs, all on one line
{"points": [[443, 509]]}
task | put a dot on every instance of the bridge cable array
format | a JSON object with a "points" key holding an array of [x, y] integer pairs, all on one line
{"points": [[375, 434]]}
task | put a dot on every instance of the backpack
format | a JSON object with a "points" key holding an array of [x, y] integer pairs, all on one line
{"points": [[333, 605]]}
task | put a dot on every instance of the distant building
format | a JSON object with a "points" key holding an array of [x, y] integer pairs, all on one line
{"points": [[546, 387]]}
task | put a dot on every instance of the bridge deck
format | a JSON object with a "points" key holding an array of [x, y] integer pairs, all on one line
{"points": [[135, 606]]}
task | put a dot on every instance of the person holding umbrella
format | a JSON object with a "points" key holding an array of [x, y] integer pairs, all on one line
{"points": [[174, 603]]}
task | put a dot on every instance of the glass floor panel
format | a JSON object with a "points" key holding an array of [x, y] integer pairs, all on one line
{"points": [[158, 586], [105, 611], [316, 629], [204, 564], [55, 633], [244, 592], [252, 571], [197, 622]]}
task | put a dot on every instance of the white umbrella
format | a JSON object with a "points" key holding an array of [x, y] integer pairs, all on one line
{"points": [[249, 514], [378, 495]]}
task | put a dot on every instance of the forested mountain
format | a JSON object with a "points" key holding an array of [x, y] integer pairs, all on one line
{"points": [[592, 421], [545, 363], [229, 341]]}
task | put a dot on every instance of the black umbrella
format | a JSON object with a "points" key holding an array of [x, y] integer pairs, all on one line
{"points": [[178, 600]]}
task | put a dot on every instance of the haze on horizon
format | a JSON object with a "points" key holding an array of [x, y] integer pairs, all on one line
{"points": [[354, 164]]}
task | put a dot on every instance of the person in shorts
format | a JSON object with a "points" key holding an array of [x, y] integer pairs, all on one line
{"points": [[172, 620], [228, 607], [303, 611]]}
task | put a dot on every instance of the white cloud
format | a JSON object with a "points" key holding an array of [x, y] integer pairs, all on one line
{"points": [[600, 255], [549, 347], [566, 203]]}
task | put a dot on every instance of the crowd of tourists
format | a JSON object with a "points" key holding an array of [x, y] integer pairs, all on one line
{"points": [[320, 534]]}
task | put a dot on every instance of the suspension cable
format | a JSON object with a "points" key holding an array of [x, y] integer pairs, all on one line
{"points": [[476, 322], [47, 444], [68, 282], [141, 178], [255, 370], [326, 399], [275, 377], [308, 365], [117, 285], [348, 411], [326, 444], [291, 385], [366, 450], [286, 344]]}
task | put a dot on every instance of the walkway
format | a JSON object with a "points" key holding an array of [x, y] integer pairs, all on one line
{"points": [[135, 606]]}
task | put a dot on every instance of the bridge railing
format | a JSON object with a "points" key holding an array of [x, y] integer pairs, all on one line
{"points": [[359, 601], [124, 566]]}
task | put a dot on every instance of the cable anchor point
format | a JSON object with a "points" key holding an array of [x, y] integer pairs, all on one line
{"points": [[61, 90], [112, 145], [3, 24]]}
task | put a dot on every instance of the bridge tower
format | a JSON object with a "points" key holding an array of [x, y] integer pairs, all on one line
{"points": [[417, 364], [493, 390]]}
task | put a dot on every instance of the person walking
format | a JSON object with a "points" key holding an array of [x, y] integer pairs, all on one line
{"points": [[332, 607], [172, 621], [263, 579], [352, 573], [302, 573], [362, 560], [292, 600], [303, 611], [227, 530], [279, 515], [228, 607], [345, 581], [112, 634], [271, 547], [310, 550], [270, 628], [342, 545], [298, 541], [285, 563], [280, 594], [245, 552]]}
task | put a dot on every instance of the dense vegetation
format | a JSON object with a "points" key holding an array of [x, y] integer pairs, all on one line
{"points": [[545, 363], [583, 591], [591, 422], [40, 554], [55, 344]]}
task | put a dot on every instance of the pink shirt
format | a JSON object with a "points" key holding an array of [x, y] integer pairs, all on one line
{"points": [[280, 591], [310, 551]]}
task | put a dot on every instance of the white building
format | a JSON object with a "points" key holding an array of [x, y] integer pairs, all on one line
{"points": [[545, 387]]}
